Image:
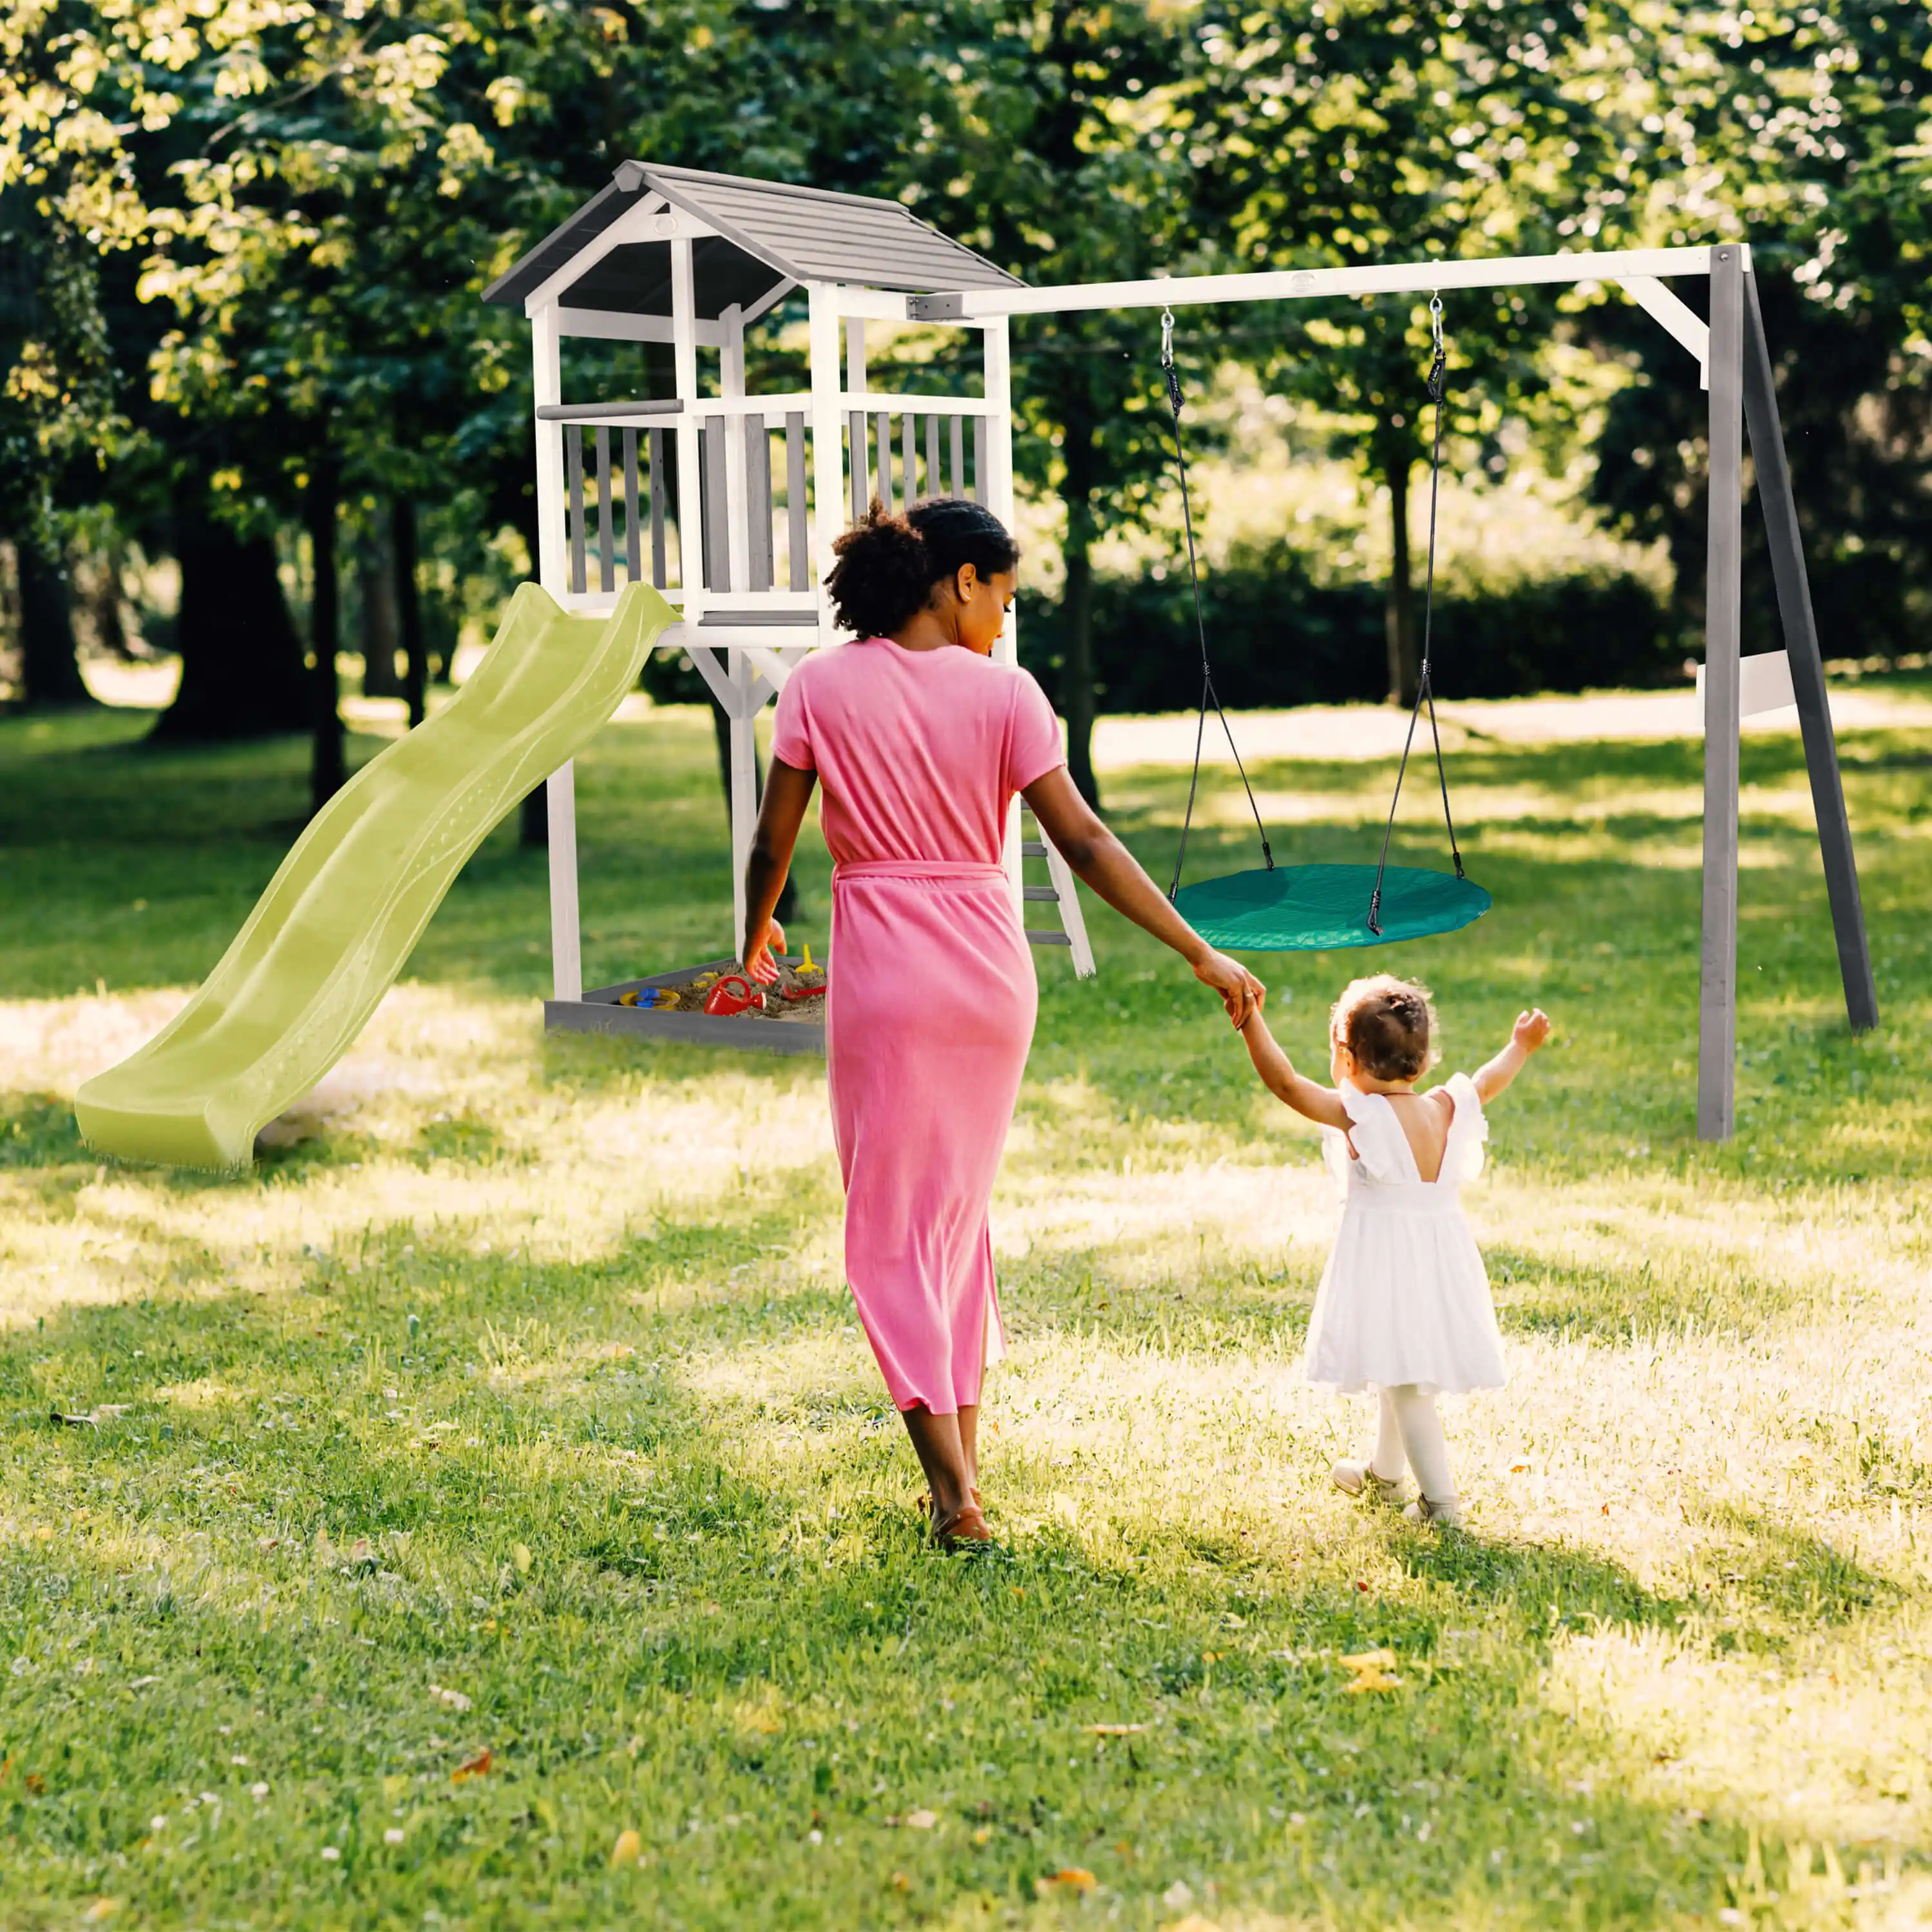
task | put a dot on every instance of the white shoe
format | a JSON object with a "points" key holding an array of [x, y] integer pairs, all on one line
{"points": [[1355, 1479], [1447, 1513]]}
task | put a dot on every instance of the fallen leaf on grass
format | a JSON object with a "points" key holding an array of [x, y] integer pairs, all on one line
{"points": [[1371, 1670], [1074, 1878], [477, 1767], [629, 1849], [101, 1908], [455, 1699], [520, 1555], [921, 1820], [1116, 1730]]}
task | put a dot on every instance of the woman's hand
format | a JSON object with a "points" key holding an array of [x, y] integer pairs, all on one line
{"points": [[758, 944], [1241, 993]]}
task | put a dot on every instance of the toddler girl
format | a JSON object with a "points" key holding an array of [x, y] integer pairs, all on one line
{"points": [[1404, 1303]]}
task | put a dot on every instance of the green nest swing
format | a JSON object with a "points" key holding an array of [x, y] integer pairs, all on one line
{"points": [[1317, 908]]}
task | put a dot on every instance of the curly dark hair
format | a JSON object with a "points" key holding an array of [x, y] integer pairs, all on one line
{"points": [[1388, 1024], [887, 565]]}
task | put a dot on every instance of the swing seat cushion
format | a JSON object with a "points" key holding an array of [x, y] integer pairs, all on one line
{"points": [[1314, 908]]}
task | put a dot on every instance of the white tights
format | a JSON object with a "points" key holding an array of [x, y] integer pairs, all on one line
{"points": [[1409, 1434]]}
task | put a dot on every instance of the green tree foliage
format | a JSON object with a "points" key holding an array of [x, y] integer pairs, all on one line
{"points": [[1804, 130]]}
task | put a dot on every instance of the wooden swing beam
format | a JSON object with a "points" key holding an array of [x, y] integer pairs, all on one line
{"points": [[1734, 361]]}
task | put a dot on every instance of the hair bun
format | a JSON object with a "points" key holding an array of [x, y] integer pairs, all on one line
{"points": [[887, 565]]}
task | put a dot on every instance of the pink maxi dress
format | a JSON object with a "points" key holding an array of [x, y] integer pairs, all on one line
{"points": [[932, 1000]]}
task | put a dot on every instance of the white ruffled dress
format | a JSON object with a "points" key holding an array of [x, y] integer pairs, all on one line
{"points": [[1404, 1297]]}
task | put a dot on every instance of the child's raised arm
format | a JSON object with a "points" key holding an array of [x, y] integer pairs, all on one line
{"points": [[1322, 1104], [1531, 1030]]}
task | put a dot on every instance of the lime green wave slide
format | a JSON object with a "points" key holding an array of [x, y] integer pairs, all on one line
{"points": [[343, 913]]}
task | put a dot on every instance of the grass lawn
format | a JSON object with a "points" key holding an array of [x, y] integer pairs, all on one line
{"points": [[493, 1517]]}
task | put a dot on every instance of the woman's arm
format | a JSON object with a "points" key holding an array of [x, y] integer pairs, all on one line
{"points": [[1099, 859], [1531, 1030], [1321, 1105], [788, 792]]}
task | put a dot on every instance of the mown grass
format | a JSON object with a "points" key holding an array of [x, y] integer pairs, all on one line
{"points": [[514, 1404]]}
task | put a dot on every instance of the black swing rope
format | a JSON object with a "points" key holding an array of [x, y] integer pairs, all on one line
{"points": [[1208, 694], [1438, 369]]}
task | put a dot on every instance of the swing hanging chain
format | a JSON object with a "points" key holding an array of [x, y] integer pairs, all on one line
{"points": [[1209, 695], [1425, 693]]}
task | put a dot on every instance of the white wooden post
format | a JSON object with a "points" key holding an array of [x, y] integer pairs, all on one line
{"points": [[690, 491], [748, 703], [552, 562], [828, 472], [997, 492]]}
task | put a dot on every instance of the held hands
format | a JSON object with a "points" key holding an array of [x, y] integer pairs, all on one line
{"points": [[758, 944], [1241, 993], [1531, 1030]]}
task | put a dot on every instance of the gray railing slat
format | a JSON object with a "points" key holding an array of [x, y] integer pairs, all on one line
{"points": [[801, 562], [886, 461], [716, 544], [934, 485], [660, 575], [909, 456], [979, 459], [958, 481], [758, 503], [606, 555], [861, 493], [634, 561], [573, 464]]}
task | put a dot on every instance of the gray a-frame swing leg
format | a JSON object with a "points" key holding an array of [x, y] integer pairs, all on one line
{"points": [[1718, 977], [1808, 669]]}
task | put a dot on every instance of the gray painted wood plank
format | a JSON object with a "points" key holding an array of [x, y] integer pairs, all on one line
{"points": [[957, 485], [885, 433], [908, 458], [1807, 668], [716, 543], [861, 491], [660, 572], [573, 465], [799, 540], [634, 534], [1718, 959], [758, 503], [935, 485], [979, 459], [606, 554]]}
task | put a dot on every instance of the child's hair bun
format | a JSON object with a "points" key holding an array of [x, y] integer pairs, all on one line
{"points": [[887, 565], [1388, 1025]]}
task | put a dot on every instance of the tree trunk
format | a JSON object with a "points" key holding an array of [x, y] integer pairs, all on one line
{"points": [[242, 659], [50, 675], [1399, 615], [380, 622], [409, 608], [533, 820], [787, 908], [1076, 611], [326, 767]]}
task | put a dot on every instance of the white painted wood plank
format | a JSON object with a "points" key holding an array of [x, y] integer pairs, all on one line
{"points": [[566, 944], [1299, 284]]}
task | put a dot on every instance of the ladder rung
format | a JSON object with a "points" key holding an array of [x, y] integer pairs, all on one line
{"points": [[1039, 892], [1041, 937], [1032, 848]]}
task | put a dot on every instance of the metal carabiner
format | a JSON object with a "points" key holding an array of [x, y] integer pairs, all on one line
{"points": [[1436, 318], [1167, 338]]}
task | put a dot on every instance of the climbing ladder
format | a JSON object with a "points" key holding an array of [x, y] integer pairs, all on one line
{"points": [[1060, 892]]}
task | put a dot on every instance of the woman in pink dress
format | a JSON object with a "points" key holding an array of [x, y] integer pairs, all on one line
{"points": [[921, 740]]}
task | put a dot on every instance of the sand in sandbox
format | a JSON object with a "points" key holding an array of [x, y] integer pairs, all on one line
{"points": [[778, 1009]]}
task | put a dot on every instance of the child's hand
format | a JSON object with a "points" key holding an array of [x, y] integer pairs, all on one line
{"points": [[1531, 1030]]}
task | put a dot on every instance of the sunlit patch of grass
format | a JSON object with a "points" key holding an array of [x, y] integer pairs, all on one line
{"points": [[516, 1403]]}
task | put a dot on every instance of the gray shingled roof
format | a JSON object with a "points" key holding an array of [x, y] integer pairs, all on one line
{"points": [[768, 232]]}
